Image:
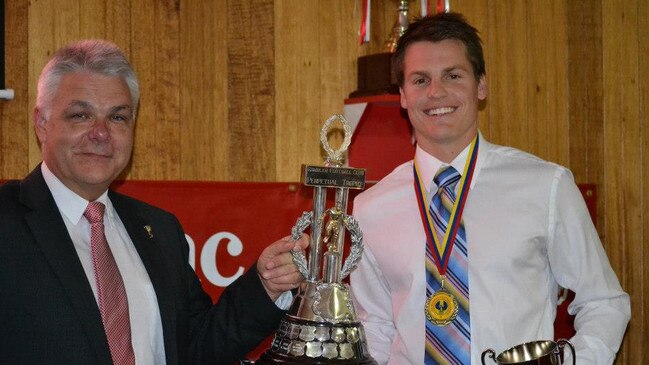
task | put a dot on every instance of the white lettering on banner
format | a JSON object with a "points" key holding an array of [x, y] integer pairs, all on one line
{"points": [[208, 257]]}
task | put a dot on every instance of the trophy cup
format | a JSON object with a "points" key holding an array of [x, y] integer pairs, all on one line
{"points": [[399, 27], [375, 74], [532, 353], [321, 326]]}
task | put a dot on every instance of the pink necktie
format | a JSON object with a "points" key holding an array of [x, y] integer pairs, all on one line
{"points": [[113, 304]]}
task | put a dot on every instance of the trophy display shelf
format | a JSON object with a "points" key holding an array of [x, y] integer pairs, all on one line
{"points": [[375, 76]]}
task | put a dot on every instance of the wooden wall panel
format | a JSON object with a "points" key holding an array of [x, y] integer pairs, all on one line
{"points": [[507, 61], [167, 90], [586, 114], [251, 82], [337, 68], [118, 23], [15, 124], [297, 84], [143, 58], [90, 18], [586, 97], [622, 151], [639, 333], [547, 81], [203, 95]]}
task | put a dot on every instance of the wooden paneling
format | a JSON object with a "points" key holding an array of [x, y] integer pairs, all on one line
{"points": [[547, 86], [251, 82], [238, 91], [298, 82], [167, 90], [622, 151], [143, 58], [203, 95], [638, 336], [586, 110], [15, 125], [508, 75]]}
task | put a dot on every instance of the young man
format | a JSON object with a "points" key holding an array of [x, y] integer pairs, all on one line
{"points": [[466, 245], [82, 279]]}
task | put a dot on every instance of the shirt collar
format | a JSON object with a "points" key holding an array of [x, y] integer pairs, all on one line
{"points": [[69, 203], [429, 164]]}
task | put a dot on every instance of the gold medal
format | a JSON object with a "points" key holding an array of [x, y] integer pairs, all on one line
{"points": [[441, 308]]}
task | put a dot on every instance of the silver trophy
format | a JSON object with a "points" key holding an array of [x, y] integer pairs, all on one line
{"points": [[400, 26], [532, 353], [321, 326]]}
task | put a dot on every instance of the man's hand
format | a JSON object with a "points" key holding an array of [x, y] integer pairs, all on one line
{"points": [[275, 266]]}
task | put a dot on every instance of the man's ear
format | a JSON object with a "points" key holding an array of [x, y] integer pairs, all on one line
{"points": [[39, 124], [482, 88], [402, 100]]}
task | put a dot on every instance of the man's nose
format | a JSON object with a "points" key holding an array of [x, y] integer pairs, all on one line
{"points": [[99, 130], [436, 89]]}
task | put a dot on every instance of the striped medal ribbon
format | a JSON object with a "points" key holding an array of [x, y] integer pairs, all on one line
{"points": [[442, 248]]}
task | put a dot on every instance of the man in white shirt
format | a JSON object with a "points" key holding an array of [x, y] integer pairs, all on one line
{"points": [[527, 228], [90, 276]]}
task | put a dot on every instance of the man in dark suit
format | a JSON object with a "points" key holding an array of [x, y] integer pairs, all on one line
{"points": [[62, 229]]}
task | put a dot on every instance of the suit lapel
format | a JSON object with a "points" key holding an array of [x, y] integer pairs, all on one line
{"points": [[49, 230], [142, 233]]}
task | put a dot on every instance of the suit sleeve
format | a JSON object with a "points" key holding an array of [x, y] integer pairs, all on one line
{"points": [[224, 332]]}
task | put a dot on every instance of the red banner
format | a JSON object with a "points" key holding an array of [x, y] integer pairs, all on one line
{"points": [[229, 224]]}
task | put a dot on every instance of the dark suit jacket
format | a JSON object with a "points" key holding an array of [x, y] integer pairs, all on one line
{"points": [[48, 314]]}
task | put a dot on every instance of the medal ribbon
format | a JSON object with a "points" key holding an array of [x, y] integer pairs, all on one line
{"points": [[441, 249]]}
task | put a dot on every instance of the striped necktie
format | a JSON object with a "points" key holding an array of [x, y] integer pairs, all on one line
{"points": [[450, 344], [113, 303]]}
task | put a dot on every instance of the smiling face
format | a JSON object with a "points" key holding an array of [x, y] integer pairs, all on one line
{"points": [[441, 95], [86, 133]]}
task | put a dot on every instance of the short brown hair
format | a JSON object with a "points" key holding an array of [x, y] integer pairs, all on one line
{"points": [[436, 28]]}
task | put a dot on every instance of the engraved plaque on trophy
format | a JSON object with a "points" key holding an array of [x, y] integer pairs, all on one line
{"points": [[321, 326]]}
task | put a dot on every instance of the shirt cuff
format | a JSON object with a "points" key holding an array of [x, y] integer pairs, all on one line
{"points": [[284, 300]]}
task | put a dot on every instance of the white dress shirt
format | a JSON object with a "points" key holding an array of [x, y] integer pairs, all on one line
{"points": [[146, 325], [528, 231]]}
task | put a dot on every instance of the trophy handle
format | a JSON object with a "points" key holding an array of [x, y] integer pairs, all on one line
{"points": [[562, 343], [491, 353], [299, 259], [356, 247]]}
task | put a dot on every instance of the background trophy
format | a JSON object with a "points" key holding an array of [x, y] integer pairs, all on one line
{"points": [[532, 353], [375, 74], [321, 326]]}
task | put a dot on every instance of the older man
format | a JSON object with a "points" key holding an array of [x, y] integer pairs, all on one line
{"points": [[82, 280]]}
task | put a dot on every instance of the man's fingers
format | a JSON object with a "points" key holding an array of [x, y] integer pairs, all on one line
{"points": [[279, 270], [302, 243], [288, 281]]}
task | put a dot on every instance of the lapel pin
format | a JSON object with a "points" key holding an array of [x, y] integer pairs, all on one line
{"points": [[149, 231]]}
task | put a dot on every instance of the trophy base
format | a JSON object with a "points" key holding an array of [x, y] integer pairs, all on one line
{"points": [[306, 342], [267, 359]]}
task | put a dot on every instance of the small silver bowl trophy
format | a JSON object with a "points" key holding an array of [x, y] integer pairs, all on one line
{"points": [[321, 326], [532, 353]]}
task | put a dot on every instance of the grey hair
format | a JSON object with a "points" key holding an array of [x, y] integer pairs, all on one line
{"points": [[93, 55]]}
